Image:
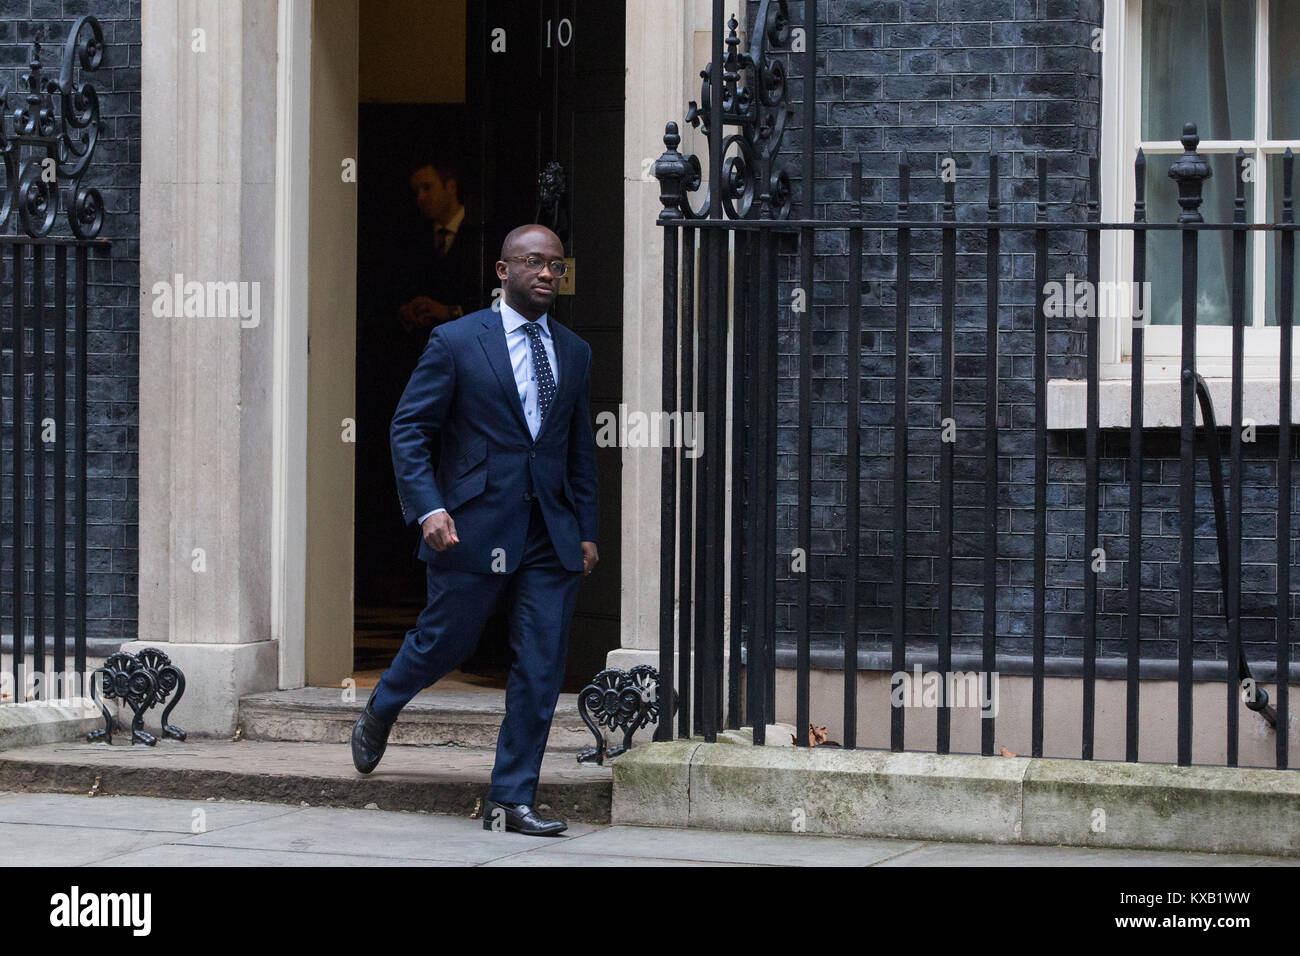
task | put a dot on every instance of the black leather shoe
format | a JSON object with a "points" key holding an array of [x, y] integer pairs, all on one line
{"points": [[520, 818], [369, 738]]}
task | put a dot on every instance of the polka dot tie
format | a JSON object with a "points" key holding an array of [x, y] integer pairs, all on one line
{"points": [[542, 365]]}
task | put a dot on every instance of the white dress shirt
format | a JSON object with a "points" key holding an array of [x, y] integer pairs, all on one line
{"points": [[452, 227]]}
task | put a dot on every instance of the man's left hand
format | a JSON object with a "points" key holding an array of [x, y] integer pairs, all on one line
{"points": [[589, 557]]}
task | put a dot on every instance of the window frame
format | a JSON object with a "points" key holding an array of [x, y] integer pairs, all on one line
{"points": [[1121, 116]]}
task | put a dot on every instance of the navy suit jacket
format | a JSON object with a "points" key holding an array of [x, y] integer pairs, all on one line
{"points": [[490, 468]]}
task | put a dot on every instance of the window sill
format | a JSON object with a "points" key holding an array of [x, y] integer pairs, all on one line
{"points": [[1162, 398]]}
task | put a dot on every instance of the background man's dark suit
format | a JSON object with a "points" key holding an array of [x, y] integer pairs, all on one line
{"points": [[454, 277], [387, 353], [521, 506]]}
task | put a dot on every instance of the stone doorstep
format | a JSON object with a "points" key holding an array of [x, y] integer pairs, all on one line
{"points": [[436, 780], [432, 718], [959, 797]]}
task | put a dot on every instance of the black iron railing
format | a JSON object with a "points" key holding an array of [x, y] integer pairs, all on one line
{"points": [[1258, 699], [46, 150], [737, 263]]}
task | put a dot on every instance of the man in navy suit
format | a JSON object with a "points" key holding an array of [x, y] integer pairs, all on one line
{"points": [[510, 516]]}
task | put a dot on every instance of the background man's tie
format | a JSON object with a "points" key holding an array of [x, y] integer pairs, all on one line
{"points": [[542, 365]]}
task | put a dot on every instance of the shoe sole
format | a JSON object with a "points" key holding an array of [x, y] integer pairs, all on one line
{"points": [[487, 825]]}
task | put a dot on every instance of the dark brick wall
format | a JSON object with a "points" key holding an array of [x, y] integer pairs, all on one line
{"points": [[113, 321], [916, 81]]}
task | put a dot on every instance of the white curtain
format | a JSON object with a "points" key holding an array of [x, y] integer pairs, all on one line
{"points": [[1198, 64], [1284, 121]]}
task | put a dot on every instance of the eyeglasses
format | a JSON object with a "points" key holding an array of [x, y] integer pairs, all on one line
{"points": [[558, 266]]}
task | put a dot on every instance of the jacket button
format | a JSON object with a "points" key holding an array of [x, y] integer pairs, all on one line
{"points": [[532, 454], [527, 496]]}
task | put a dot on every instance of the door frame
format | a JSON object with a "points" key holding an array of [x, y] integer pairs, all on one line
{"points": [[656, 33], [311, 508], [289, 385]]}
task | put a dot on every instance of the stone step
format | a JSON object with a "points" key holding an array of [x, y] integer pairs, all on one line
{"points": [[463, 718], [433, 779]]}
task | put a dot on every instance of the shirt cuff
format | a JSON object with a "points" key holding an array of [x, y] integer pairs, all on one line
{"points": [[423, 518]]}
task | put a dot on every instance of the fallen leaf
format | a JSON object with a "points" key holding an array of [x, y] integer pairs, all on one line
{"points": [[818, 736]]}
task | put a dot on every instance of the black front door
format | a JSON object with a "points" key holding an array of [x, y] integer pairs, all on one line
{"points": [[545, 105]]}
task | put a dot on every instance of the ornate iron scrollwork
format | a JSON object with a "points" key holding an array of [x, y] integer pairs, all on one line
{"points": [[624, 699], [67, 140], [754, 184], [143, 680]]}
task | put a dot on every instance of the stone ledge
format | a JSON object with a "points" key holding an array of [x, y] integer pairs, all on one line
{"points": [[216, 677], [45, 722], [1161, 400], [962, 797], [1162, 806]]}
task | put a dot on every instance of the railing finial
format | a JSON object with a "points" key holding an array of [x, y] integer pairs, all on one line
{"points": [[1190, 171], [671, 170]]}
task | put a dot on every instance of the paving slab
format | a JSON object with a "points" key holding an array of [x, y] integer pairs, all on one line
{"points": [[975, 854], [435, 779], [131, 813], [412, 836], [182, 854], [42, 845], [539, 858], [804, 849]]}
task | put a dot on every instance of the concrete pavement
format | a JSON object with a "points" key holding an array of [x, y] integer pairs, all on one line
{"points": [[60, 829]]}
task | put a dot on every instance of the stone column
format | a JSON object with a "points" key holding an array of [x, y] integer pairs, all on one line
{"points": [[207, 200], [667, 46], [656, 39]]}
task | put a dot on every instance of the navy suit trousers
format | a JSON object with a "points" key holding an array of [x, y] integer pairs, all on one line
{"points": [[539, 596]]}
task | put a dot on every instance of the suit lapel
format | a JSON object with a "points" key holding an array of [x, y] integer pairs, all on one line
{"points": [[493, 340]]}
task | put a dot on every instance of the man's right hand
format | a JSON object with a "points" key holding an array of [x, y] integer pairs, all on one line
{"points": [[440, 531]]}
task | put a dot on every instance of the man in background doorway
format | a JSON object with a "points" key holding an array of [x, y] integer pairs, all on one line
{"points": [[426, 273], [445, 274]]}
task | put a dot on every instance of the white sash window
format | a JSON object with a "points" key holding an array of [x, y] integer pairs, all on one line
{"points": [[1233, 68]]}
